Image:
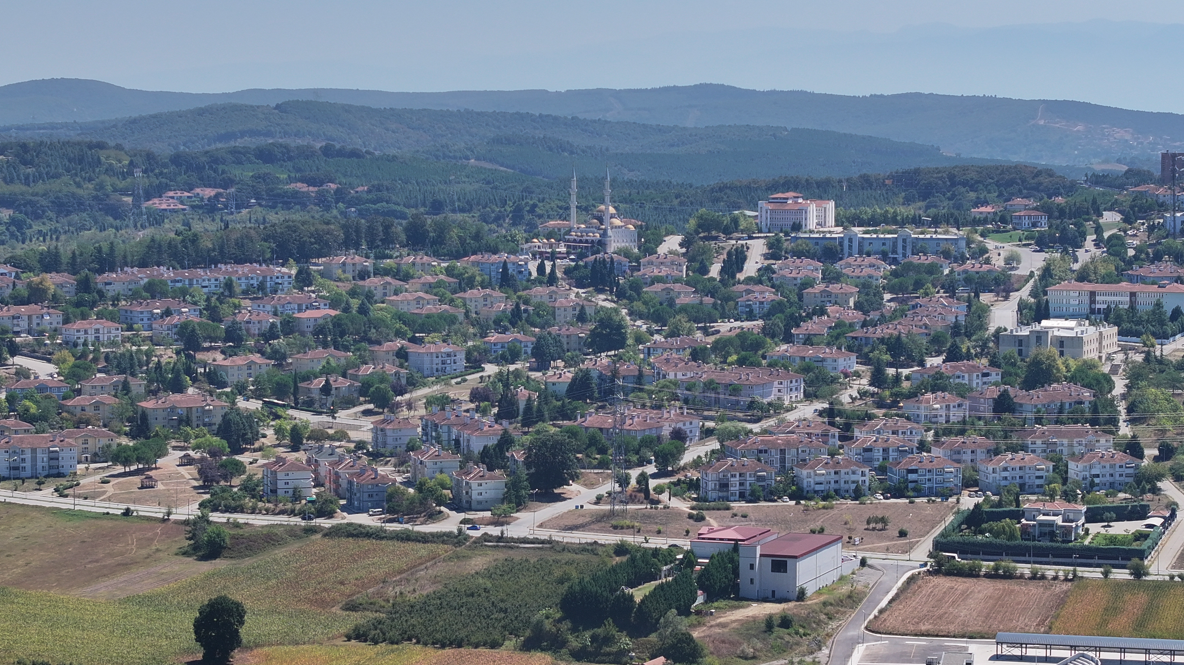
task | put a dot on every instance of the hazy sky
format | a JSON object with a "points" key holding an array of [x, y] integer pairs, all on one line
{"points": [[842, 46]]}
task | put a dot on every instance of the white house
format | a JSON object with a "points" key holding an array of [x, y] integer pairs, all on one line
{"points": [[93, 331], [1026, 471], [840, 475], [285, 477]]}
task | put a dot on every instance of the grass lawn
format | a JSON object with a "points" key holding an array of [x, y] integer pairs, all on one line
{"points": [[643, 590], [1009, 236], [290, 597]]}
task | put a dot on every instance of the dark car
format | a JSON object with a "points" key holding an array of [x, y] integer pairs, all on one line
{"points": [[474, 527], [307, 517]]}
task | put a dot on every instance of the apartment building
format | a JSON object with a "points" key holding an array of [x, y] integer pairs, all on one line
{"points": [[26, 387], [173, 411], [242, 368], [110, 385], [1071, 339], [145, 313], [308, 320], [840, 475], [735, 480], [435, 359], [476, 299], [392, 433], [965, 449], [89, 441], [1104, 470], [366, 490], [778, 451], [476, 488], [806, 427], [91, 332], [678, 346], [826, 295], [410, 301], [756, 305], [936, 408], [642, 422], [382, 287], [100, 406], [431, 282], [341, 388], [1080, 300], [574, 338], [499, 342], [13, 426], [1025, 470], [284, 477], [880, 242], [666, 262], [975, 375], [928, 475], [898, 427], [341, 267], [490, 265], [872, 450], [312, 361], [1065, 440], [30, 319], [37, 456], [1026, 220], [829, 358], [431, 461], [255, 323], [294, 303], [567, 311]]}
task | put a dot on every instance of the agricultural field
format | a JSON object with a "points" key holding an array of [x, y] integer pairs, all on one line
{"points": [[291, 595], [737, 633], [403, 654], [847, 519], [1123, 608], [958, 607], [66, 551]]}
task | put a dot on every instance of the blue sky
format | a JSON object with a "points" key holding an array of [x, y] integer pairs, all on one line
{"points": [[1029, 48]]}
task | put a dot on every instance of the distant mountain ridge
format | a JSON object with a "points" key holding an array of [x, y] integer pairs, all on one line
{"points": [[533, 144], [1043, 131]]}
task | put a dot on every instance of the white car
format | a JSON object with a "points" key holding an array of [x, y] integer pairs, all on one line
{"points": [[878, 497]]}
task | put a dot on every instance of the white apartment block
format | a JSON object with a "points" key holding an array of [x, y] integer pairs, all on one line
{"points": [[435, 359], [391, 433], [37, 456], [1065, 440], [285, 477], [975, 375], [929, 475], [93, 331], [1101, 471], [965, 449], [779, 451], [1025, 470], [829, 358], [242, 368], [734, 479], [831, 474], [475, 488], [871, 450], [1080, 300], [936, 408], [898, 427], [430, 461]]}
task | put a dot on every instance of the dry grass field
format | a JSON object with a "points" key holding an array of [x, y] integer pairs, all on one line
{"points": [[959, 607], [1123, 608], [845, 519]]}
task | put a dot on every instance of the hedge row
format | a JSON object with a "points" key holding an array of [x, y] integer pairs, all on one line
{"points": [[353, 530], [950, 542], [1123, 512]]}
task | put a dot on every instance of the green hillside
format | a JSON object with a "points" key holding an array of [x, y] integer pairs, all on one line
{"points": [[1045, 131], [539, 145]]}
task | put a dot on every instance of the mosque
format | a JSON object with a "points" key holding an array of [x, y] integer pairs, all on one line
{"points": [[602, 231]]}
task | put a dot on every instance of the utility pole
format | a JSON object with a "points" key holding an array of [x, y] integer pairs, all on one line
{"points": [[618, 463]]}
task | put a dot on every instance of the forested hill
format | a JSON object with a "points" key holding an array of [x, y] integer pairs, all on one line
{"points": [[538, 145], [1045, 131]]}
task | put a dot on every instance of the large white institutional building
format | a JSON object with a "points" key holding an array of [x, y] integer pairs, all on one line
{"points": [[789, 211]]}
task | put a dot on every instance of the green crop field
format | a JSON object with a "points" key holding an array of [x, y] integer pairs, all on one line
{"points": [[290, 597], [402, 654], [1123, 608]]}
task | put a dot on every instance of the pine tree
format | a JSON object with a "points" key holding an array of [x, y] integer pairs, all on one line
{"points": [[528, 415], [553, 275], [507, 404], [542, 270]]}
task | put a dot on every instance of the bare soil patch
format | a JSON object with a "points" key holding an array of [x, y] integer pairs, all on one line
{"points": [[69, 552], [938, 606], [845, 519], [594, 479]]}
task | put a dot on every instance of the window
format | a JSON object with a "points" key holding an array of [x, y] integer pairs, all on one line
{"points": [[751, 566], [779, 566]]}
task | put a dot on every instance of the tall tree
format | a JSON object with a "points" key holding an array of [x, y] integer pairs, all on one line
{"points": [[611, 331], [218, 627], [239, 430], [551, 460]]}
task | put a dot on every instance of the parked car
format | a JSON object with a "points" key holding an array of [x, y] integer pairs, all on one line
{"points": [[474, 527], [878, 497]]}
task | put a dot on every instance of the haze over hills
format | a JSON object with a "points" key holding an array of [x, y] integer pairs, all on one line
{"points": [[1041, 131], [533, 144]]}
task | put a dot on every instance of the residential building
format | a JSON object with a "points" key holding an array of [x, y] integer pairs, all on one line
{"points": [[776, 569], [1052, 521], [876, 266], [37, 456], [92, 332], [548, 294], [164, 331], [392, 433], [1017, 204], [307, 321], [110, 385], [880, 242], [339, 267], [936, 408], [928, 475], [499, 342], [975, 375], [1065, 440], [1026, 220], [341, 389], [312, 361], [392, 372], [756, 305], [790, 211], [871, 450], [1080, 300], [965, 449], [490, 265], [516, 461], [812, 428], [144, 313], [431, 461], [410, 301], [825, 295], [89, 441], [476, 299], [1045, 404], [897, 427], [194, 410], [382, 287], [1074, 339], [641, 422], [666, 262], [420, 262], [679, 346], [12, 426], [435, 359], [242, 368], [475, 488], [735, 480], [294, 303], [1025, 470], [101, 406], [573, 337], [1104, 470], [428, 283], [778, 451], [286, 477], [1164, 271], [794, 277], [567, 311], [840, 475], [366, 490], [39, 387], [829, 358], [255, 322], [30, 319]]}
